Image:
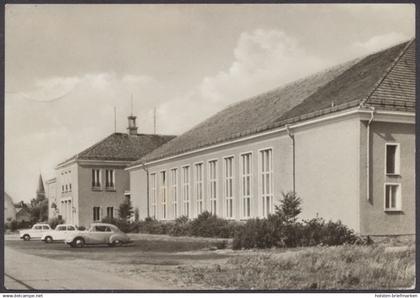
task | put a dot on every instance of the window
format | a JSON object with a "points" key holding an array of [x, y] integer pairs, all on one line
{"points": [[96, 213], [163, 195], [153, 194], [199, 187], [246, 172], [109, 179], [213, 186], [186, 190], [70, 228], [174, 191], [96, 178], [229, 187], [266, 181], [61, 228], [102, 229], [392, 159], [110, 212], [38, 228], [392, 197]]}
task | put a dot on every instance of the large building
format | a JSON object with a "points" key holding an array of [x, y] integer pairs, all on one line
{"points": [[342, 139], [92, 184]]}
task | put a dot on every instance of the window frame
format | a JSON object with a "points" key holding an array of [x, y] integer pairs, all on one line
{"points": [[198, 183], [210, 180], [99, 213], [241, 183], [173, 192], [93, 185], [186, 191], [153, 192], [108, 213], [163, 192], [397, 160], [112, 179], [260, 188], [229, 200], [398, 199]]}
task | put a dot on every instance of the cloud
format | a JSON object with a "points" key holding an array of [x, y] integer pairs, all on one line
{"points": [[263, 59], [379, 42], [61, 116]]}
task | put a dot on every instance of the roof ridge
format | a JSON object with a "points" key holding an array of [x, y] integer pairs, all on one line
{"points": [[364, 101]]}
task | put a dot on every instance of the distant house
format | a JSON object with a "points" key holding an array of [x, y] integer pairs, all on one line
{"points": [[92, 184], [9, 209], [343, 139], [22, 214]]}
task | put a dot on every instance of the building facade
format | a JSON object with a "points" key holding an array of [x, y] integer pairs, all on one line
{"points": [[343, 140], [92, 184]]}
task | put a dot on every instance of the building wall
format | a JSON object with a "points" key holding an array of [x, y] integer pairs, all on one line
{"points": [[51, 194], [67, 198], [374, 220], [327, 168], [138, 186], [89, 198]]}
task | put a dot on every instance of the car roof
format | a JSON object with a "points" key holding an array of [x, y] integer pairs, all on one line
{"points": [[103, 224]]}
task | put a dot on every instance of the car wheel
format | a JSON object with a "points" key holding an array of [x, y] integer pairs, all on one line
{"points": [[79, 242], [116, 243], [26, 237], [48, 239]]}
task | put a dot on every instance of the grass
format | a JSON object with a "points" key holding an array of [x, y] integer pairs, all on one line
{"points": [[344, 267]]}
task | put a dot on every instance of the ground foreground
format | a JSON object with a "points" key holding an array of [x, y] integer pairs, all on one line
{"points": [[162, 262]]}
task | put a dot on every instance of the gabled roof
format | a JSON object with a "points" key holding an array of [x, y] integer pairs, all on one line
{"points": [[121, 147], [385, 79]]}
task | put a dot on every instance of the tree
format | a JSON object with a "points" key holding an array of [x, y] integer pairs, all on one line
{"points": [[39, 209], [126, 210], [289, 207]]}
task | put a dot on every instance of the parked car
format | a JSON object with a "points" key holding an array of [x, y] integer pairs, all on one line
{"points": [[59, 233], [35, 232], [98, 233]]}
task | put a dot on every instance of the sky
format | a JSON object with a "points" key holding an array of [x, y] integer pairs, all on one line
{"points": [[68, 66]]}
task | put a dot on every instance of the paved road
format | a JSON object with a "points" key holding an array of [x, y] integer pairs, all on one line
{"points": [[24, 271]]}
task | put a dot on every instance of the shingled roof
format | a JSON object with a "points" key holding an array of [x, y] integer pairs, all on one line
{"points": [[122, 147], [385, 79]]}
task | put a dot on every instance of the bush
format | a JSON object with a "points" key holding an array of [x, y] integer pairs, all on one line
{"points": [[282, 229], [208, 225], [181, 227], [55, 221], [153, 226]]}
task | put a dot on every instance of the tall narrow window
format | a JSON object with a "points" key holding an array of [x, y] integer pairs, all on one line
{"points": [[246, 172], [392, 197], [266, 181], [174, 191], [109, 179], [213, 186], [153, 194], [392, 159], [163, 194], [186, 190], [110, 212], [229, 187], [96, 213], [96, 178], [199, 187]]}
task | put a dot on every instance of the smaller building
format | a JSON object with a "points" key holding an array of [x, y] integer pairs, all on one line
{"points": [[92, 184]]}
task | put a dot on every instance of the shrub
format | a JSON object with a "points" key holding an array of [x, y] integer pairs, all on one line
{"points": [[53, 222], [209, 225], [122, 224], [181, 227], [153, 226], [282, 229]]}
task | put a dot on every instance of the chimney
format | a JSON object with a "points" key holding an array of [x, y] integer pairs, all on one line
{"points": [[132, 128]]}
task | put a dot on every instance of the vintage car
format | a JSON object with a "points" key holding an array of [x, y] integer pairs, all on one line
{"points": [[35, 232], [59, 233], [98, 233]]}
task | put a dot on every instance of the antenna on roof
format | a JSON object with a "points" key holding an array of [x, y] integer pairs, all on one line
{"points": [[154, 120], [115, 119], [131, 104]]}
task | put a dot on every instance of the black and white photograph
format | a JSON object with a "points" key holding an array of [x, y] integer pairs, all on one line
{"points": [[203, 147]]}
